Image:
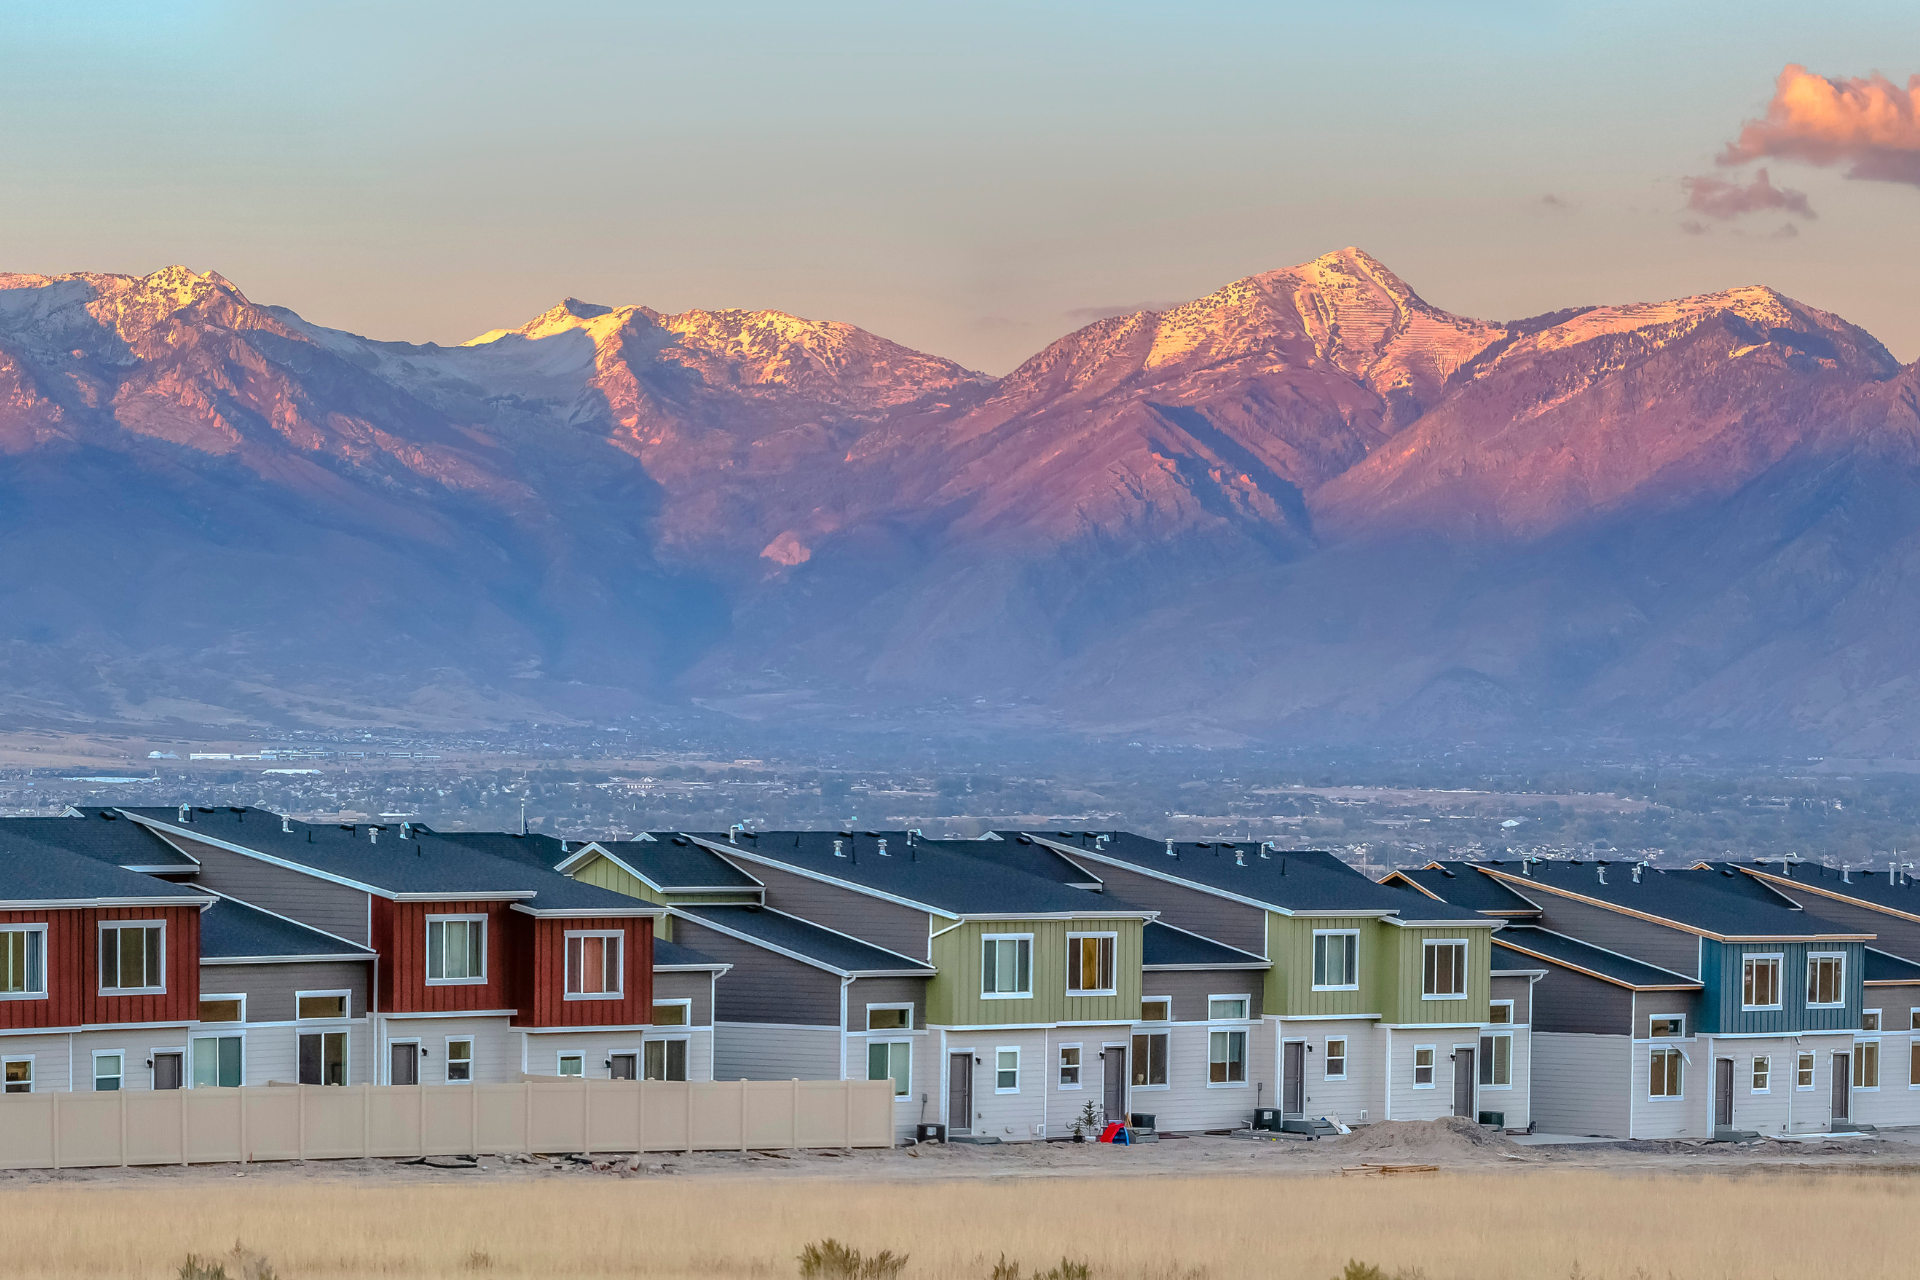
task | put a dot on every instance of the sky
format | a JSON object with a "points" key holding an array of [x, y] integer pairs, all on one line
{"points": [[972, 180]]}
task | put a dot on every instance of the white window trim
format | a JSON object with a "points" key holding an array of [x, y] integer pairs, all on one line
{"points": [[1154, 1029], [1240, 1029], [1872, 1031], [1753, 1069], [562, 1055], [986, 938], [186, 1063], [1684, 1073], [1073, 994], [33, 1074], [1495, 1035], [1466, 955], [1336, 933], [480, 981], [647, 1039], [1813, 1071], [1081, 1066], [1779, 985], [446, 1059], [105, 925], [1508, 1005], [1681, 1018], [1346, 1050], [345, 993], [1014, 1049], [686, 1019], [1246, 1003], [907, 1096], [1166, 1002], [1433, 1064], [1841, 956], [906, 1005], [241, 996], [240, 1033], [1853, 1065], [619, 937], [324, 1027], [45, 960], [1913, 1018]]}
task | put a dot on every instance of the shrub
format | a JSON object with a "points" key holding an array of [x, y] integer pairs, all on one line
{"points": [[240, 1264], [831, 1260], [1067, 1270]]}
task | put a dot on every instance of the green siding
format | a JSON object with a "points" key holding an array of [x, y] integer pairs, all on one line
{"points": [[1406, 977], [954, 999], [610, 875], [1391, 960]]}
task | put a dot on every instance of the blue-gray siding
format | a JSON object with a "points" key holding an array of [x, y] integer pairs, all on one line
{"points": [[1721, 1010]]}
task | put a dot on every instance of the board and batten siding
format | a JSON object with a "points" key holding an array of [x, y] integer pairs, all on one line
{"points": [[181, 960], [763, 985], [954, 998], [400, 936], [858, 915], [1403, 977], [610, 876], [332, 908], [1190, 989], [540, 961], [1720, 1009], [1234, 923], [63, 961], [270, 988], [1656, 944], [1581, 1084], [1289, 984]]}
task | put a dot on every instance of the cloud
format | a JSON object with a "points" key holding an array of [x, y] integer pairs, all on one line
{"points": [[1090, 314], [1787, 231], [1718, 198], [1553, 202], [1694, 228], [1866, 122]]}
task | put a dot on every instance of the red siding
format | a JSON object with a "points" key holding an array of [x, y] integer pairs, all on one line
{"points": [[400, 936], [61, 1008], [541, 960]]}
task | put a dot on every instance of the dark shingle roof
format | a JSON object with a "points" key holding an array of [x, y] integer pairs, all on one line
{"points": [[1459, 884], [1715, 902], [532, 849], [1883, 967], [669, 955], [676, 863], [230, 929], [1164, 945], [34, 872], [1810, 883], [798, 937], [101, 834], [1524, 946]]}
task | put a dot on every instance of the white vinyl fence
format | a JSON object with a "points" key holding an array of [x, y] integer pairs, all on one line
{"points": [[312, 1122]]}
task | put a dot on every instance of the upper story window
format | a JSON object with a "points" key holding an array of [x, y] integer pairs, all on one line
{"points": [[1336, 960], [23, 962], [1444, 971], [593, 965], [1667, 1026], [222, 1008], [1760, 982], [1870, 1020], [889, 1017], [309, 1005], [1156, 1009], [1500, 1011], [1090, 964], [456, 949], [1224, 1007], [1006, 966], [133, 957], [1826, 981]]}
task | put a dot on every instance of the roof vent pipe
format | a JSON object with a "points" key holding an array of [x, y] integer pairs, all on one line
{"points": [[1603, 874], [839, 851], [1844, 879], [1636, 873], [373, 835], [1239, 858], [286, 825], [563, 845], [186, 815], [733, 833], [883, 848], [1170, 852]]}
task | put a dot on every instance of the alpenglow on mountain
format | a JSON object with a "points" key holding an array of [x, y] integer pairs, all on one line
{"points": [[1307, 508]]}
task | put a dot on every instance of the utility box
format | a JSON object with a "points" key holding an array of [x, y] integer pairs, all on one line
{"points": [[1141, 1120], [1267, 1118], [929, 1133], [1494, 1119]]}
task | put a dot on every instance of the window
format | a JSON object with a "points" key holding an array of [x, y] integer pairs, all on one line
{"points": [[23, 963], [320, 1004], [323, 1057], [1762, 1073], [672, 1013], [223, 1008], [1336, 1058], [1423, 1066], [217, 1062], [1665, 1074], [19, 1075], [1225, 1007], [132, 957], [1866, 1064], [1227, 1057], [1913, 1019], [1445, 975], [460, 1060], [1826, 981], [109, 1067], [1869, 1019], [889, 1017], [593, 966], [456, 949], [1913, 1067], [1670, 1026], [666, 1059], [1069, 1066], [1006, 1071], [572, 1064], [1150, 1059], [891, 1060], [1336, 960], [1496, 1061], [1803, 1072], [1760, 982], [1156, 1009], [1090, 964], [1006, 966], [1500, 1012]]}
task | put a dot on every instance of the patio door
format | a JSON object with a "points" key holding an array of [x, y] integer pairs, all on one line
{"points": [[1114, 1097], [1842, 1089], [960, 1092], [1293, 1079], [1723, 1093]]}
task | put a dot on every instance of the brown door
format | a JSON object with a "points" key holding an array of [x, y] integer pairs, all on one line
{"points": [[168, 1071], [1842, 1088], [1463, 1081], [1293, 1078], [404, 1060], [622, 1065], [1723, 1093], [1114, 1098], [959, 1093]]}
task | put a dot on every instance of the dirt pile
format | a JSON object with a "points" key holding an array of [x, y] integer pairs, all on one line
{"points": [[1417, 1141]]}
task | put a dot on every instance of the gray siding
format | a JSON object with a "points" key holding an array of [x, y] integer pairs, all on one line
{"points": [[866, 991], [1897, 1006], [1892, 934], [1582, 1084], [763, 986], [1233, 923], [270, 988], [1514, 989], [324, 905], [1572, 1002], [698, 987], [884, 924], [777, 1053], [1191, 987], [1652, 943], [1646, 1004]]}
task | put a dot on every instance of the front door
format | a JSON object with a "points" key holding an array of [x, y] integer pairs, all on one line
{"points": [[168, 1071], [1115, 1096], [1293, 1079], [1463, 1082], [1842, 1088], [404, 1060], [959, 1093], [623, 1066], [1723, 1093]]}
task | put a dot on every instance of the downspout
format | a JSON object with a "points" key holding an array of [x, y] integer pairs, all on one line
{"points": [[1793, 1085], [1046, 1076], [844, 984], [1386, 1112]]}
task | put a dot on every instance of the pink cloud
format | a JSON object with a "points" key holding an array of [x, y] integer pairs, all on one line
{"points": [[1867, 122], [1718, 198]]}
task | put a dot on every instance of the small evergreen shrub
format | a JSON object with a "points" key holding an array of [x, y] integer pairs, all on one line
{"points": [[830, 1260]]}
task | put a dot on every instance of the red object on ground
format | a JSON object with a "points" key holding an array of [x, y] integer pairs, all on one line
{"points": [[1115, 1133]]}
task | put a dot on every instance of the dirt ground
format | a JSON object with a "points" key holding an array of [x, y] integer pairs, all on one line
{"points": [[1455, 1146]]}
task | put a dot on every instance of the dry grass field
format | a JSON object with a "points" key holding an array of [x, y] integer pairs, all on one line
{"points": [[1530, 1226]]}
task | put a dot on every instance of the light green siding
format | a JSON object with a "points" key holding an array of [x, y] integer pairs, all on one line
{"points": [[1390, 978], [954, 998], [1404, 1003]]}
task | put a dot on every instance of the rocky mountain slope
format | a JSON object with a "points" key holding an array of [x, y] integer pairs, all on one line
{"points": [[1309, 506]]}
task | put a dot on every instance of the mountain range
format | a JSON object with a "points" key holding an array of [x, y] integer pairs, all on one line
{"points": [[1309, 507]]}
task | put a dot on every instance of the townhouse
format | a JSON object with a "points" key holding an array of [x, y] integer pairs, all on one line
{"points": [[1376, 999]]}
